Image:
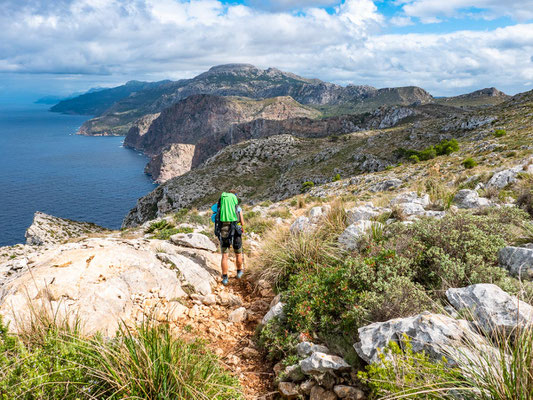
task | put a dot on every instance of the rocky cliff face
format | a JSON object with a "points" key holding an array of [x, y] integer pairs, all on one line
{"points": [[174, 160], [248, 81]]}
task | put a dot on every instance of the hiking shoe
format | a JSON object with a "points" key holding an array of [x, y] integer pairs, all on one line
{"points": [[240, 273], [225, 281]]}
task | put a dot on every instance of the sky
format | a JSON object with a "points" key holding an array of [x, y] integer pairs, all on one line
{"points": [[448, 47]]}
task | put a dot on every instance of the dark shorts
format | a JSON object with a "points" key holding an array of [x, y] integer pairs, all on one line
{"points": [[228, 238]]}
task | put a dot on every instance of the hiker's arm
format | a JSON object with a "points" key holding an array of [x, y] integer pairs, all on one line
{"points": [[241, 218]]}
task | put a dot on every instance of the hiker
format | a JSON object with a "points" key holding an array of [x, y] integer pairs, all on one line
{"points": [[229, 227]]}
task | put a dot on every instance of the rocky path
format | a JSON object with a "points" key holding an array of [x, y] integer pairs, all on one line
{"points": [[228, 319]]}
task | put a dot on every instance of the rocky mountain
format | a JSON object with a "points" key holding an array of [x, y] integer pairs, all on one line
{"points": [[201, 118], [482, 97], [273, 159], [240, 80], [96, 101]]}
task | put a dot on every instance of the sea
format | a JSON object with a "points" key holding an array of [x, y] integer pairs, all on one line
{"points": [[45, 166]]}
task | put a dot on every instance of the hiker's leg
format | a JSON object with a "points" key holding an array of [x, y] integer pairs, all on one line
{"points": [[224, 263], [238, 256]]}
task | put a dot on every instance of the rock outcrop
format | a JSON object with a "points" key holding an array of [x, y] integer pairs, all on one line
{"points": [[492, 309], [436, 334], [518, 261], [48, 230], [107, 280]]}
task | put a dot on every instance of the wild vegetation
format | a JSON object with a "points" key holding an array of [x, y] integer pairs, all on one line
{"points": [[53, 360], [398, 271]]}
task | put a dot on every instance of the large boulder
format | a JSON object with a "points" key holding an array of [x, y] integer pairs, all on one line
{"points": [[48, 230], [492, 309], [435, 334], [411, 197], [518, 261], [197, 277], [361, 213], [353, 234], [300, 225], [100, 281], [466, 198], [193, 240], [503, 178], [275, 311]]}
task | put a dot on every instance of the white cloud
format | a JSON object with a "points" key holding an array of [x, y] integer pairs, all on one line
{"points": [[156, 39], [432, 10], [280, 5]]}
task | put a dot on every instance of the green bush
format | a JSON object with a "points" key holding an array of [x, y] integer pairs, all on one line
{"points": [[337, 177], [499, 133], [158, 226], [469, 163], [447, 147], [255, 222], [458, 250], [404, 373], [306, 186]]}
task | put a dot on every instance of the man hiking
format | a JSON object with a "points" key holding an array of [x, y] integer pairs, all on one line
{"points": [[229, 227]]}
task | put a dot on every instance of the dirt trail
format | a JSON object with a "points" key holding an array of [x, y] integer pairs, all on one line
{"points": [[234, 341]]}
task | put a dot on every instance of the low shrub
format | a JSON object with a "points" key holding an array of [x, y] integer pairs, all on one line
{"points": [[403, 373], [307, 186], [255, 222], [525, 200], [445, 147], [337, 178], [499, 133], [469, 163], [158, 226], [283, 213]]}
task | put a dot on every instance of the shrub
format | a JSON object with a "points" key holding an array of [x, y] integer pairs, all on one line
{"points": [[447, 147], [256, 223], [469, 163], [458, 250], [404, 373], [159, 225], [414, 158], [525, 201], [306, 186], [283, 213], [337, 177], [499, 133]]}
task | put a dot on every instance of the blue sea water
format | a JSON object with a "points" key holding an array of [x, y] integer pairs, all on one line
{"points": [[44, 166]]}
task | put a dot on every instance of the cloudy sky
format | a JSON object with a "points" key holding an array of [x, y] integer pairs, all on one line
{"points": [[445, 46]]}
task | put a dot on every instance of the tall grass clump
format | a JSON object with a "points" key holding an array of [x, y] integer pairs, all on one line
{"points": [[50, 358], [150, 363]]}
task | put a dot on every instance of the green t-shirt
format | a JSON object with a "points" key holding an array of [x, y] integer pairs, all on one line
{"points": [[228, 204]]}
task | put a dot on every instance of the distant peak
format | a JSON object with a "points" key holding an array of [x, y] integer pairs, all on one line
{"points": [[232, 67]]}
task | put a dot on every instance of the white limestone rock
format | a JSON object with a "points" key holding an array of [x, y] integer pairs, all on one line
{"points": [[318, 363], [518, 261], [436, 334], [466, 198], [193, 240], [492, 309]]}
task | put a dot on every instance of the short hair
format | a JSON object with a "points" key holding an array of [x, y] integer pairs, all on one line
{"points": [[232, 191]]}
